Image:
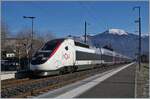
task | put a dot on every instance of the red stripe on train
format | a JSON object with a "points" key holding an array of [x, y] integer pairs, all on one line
{"points": [[55, 49]]}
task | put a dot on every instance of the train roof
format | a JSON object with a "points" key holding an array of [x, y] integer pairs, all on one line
{"points": [[70, 38], [60, 39]]}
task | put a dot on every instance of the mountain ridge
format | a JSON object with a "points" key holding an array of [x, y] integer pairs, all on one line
{"points": [[126, 43]]}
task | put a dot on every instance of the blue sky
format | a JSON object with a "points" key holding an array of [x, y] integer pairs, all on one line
{"points": [[64, 18]]}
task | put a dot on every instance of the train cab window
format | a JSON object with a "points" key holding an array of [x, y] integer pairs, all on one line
{"points": [[66, 47], [81, 44], [51, 44]]}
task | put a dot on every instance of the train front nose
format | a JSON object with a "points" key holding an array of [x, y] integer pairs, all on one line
{"points": [[39, 59], [42, 57]]}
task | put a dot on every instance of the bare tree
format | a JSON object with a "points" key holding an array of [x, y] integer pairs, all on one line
{"points": [[24, 41], [4, 34], [23, 45]]}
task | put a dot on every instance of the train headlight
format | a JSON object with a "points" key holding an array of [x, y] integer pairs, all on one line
{"points": [[45, 73], [44, 58]]}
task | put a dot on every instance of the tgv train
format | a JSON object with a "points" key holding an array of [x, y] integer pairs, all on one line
{"points": [[60, 56]]}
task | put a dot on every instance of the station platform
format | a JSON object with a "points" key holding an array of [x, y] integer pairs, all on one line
{"points": [[115, 83], [7, 75]]}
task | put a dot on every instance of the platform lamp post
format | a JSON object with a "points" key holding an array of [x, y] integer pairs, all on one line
{"points": [[32, 18], [139, 22]]}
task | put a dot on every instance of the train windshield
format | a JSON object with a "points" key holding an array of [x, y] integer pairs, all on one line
{"points": [[51, 45]]}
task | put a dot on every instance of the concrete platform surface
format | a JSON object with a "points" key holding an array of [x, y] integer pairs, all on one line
{"points": [[120, 85], [7, 75]]}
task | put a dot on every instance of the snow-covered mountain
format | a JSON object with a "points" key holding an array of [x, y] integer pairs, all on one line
{"points": [[120, 40], [116, 32]]}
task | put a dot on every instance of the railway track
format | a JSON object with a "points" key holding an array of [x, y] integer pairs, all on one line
{"points": [[32, 87], [12, 82]]}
